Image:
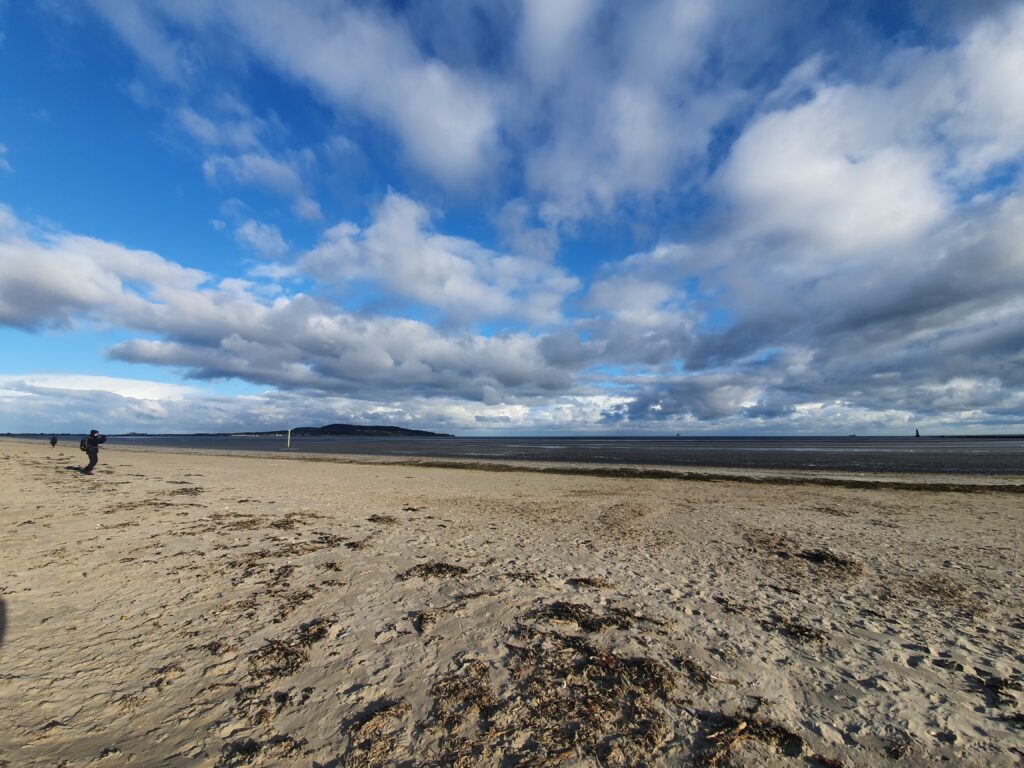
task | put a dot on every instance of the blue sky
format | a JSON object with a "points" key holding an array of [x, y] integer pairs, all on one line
{"points": [[512, 216]]}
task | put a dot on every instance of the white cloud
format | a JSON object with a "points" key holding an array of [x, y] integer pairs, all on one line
{"points": [[265, 239], [53, 278], [258, 169], [987, 120], [307, 208], [5, 166], [401, 251], [146, 36], [139, 389], [875, 164], [230, 329], [238, 132], [446, 120], [825, 171], [550, 36]]}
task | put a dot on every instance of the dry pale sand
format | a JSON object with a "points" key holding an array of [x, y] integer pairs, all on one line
{"points": [[223, 610]]}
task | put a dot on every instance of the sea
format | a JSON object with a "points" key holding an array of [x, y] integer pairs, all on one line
{"points": [[953, 455]]}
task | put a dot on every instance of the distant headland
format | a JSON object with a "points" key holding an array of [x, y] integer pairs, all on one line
{"points": [[328, 430]]}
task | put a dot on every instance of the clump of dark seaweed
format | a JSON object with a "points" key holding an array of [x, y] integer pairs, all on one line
{"points": [[383, 519], [943, 592], [289, 600], [244, 751], [898, 748], [193, 491], [696, 672], [237, 753], [422, 620], [431, 570], [794, 629], [584, 616], [731, 606], [279, 658], [575, 698], [727, 732], [463, 694], [372, 735], [597, 582], [829, 559], [786, 548], [522, 576], [257, 708]]}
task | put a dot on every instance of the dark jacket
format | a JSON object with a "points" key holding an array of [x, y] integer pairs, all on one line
{"points": [[92, 442]]}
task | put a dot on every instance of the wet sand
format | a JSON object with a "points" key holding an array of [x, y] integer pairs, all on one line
{"points": [[183, 608]]}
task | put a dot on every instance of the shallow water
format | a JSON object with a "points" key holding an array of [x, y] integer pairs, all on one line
{"points": [[851, 454]]}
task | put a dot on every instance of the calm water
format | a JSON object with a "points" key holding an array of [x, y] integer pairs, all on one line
{"points": [[867, 454]]}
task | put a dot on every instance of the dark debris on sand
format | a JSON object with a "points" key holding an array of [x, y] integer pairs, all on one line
{"points": [[372, 736], [584, 616], [383, 519], [723, 734], [244, 752], [279, 658], [433, 570]]}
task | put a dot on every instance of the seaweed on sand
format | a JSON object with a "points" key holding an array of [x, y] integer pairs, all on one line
{"points": [[279, 658], [727, 732], [383, 519], [422, 620], [795, 629], [372, 735], [244, 751], [699, 675], [574, 699], [462, 694], [596, 582], [829, 559], [430, 570], [943, 592], [584, 616]]}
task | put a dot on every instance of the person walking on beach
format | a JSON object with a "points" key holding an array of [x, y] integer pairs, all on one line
{"points": [[91, 446], [53, 441]]}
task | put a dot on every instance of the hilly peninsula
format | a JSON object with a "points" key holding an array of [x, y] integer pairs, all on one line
{"points": [[357, 430]]}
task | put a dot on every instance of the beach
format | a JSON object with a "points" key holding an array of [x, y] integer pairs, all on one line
{"points": [[222, 609]]}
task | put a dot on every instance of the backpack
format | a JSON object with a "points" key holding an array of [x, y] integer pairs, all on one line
{"points": [[84, 445]]}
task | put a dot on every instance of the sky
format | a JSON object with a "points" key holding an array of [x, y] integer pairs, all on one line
{"points": [[513, 216]]}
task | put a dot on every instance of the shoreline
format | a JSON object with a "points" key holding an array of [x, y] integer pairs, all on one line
{"points": [[989, 458], [196, 608], [912, 481]]}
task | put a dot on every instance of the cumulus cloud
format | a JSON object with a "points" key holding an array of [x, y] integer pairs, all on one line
{"points": [[353, 58], [71, 404], [822, 170], [236, 145], [231, 329], [258, 169], [56, 278], [872, 165], [265, 239], [401, 250]]}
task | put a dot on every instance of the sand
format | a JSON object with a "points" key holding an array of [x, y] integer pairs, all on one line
{"points": [[182, 608]]}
